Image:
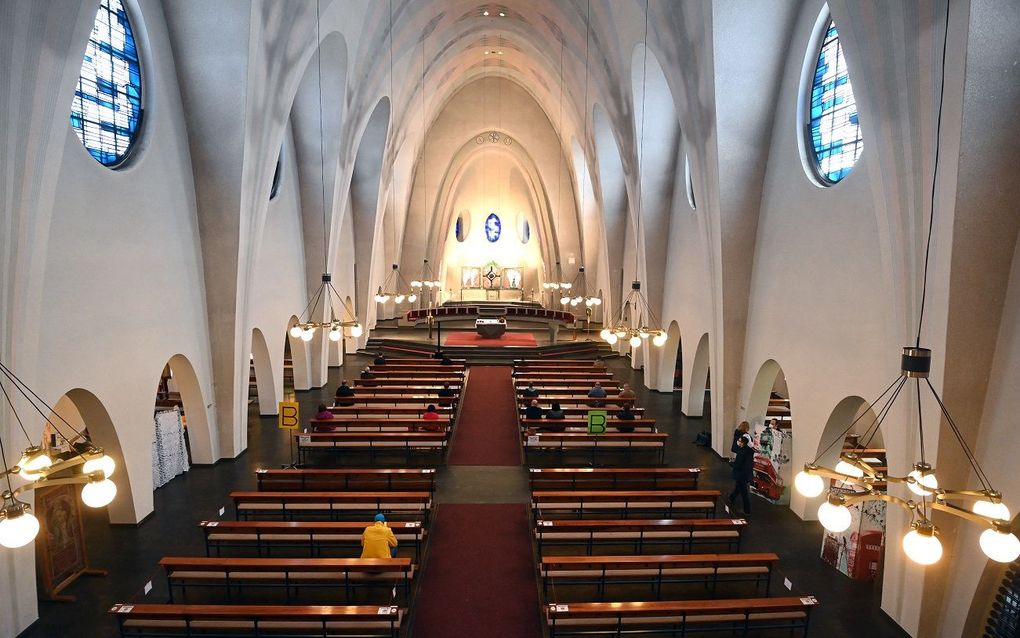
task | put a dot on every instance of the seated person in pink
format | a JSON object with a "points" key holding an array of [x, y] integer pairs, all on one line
{"points": [[323, 413], [432, 415]]}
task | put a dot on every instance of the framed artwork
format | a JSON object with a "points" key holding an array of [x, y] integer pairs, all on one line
{"points": [[60, 546], [513, 278], [492, 277], [470, 277]]}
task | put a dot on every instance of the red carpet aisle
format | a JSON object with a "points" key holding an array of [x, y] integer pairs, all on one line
{"points": [[480, 579], [525, 339], [487, 432]]}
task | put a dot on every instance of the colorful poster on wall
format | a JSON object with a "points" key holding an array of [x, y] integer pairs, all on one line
{"points": [[773, 448], [857, 551]]}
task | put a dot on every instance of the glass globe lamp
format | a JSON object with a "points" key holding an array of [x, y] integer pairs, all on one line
{"points": [[986, 507], [399, 299], [921, 545], [834, 516], [1001, 547], [411, 298], [98, 493], [809, 485], [295, 331], [307, 335], [612, 339], [845, 467], [18, 526], [604, 333], [335, 334], [635, 341], [924, 480], [659, 340], [357, 330], [104, 463], [33, 462]]}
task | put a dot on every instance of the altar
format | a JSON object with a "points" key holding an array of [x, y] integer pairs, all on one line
{"points": [[490, 328]]}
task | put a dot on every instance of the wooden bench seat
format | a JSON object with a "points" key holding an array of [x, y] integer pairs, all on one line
{"points": [[422, 361], [408, 505], [391, 411], [338, 574], [624, 478], [372, 442], [422, 399], [376, 424], [550, 384], [580, 399], [575, 424], [310, 538], [338, 479], [548, 504], [563, 442], [576, 411], [436, 367], [553, 363], [641, 534], [601, 572], [591, 375], [313, 621], [750, 616], [422, 380]]}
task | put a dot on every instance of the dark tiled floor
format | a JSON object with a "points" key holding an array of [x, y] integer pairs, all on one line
{"points": [[131, 554]]}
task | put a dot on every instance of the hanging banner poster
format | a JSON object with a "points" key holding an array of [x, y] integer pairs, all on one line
{"points": [[773, 448]]}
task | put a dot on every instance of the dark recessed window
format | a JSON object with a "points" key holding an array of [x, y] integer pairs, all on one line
{"points": [[275, 188], [106, 112], [833, 126]]}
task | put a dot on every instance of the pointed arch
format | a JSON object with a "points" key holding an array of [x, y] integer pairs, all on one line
{"points": [[699, 379], [299, 357], [269, 392], [668, 357], [200, 437]]}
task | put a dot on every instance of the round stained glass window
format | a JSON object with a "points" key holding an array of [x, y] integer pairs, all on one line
{"points": [[107, 108], [493, 227], [462, 226]]}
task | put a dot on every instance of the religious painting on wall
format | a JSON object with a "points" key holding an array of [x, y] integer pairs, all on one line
{"points": [[470, 278], [512, 278], [61, 541]]}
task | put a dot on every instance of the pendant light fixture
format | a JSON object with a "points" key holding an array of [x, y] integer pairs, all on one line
{"points": [[334, 322], [647, 325], [396, 287], [981, 506], [83, 463], [581, 292]]}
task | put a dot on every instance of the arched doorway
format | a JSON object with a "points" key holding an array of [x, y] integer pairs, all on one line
{"points": [[669, 371], [858, 551], [179, 388], [699, 387], [768, 413], [296, 368], [261, 380]]}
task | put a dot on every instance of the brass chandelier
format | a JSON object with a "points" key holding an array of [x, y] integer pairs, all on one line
{"points": [[84, 463], [921, 543], [397, 288], [306, 325], [581, 292], [620, 327]]}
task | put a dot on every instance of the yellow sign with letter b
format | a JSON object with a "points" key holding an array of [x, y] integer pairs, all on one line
{"points": [[290, 415]]}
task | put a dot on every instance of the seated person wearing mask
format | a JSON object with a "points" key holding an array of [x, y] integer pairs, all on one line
{"points": [[533, 411]]}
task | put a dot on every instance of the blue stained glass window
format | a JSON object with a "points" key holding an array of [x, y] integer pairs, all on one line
{"points": [[107, 107], [493, 227], [833, 124]]}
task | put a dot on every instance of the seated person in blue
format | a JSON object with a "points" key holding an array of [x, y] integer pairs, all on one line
{"points": [[597, 392], [530, 391], [344, 392], [625, 415], [533, 411], [380, 360], [556, 412]]}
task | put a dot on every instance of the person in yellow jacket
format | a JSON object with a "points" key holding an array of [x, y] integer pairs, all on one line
{"points": [[378, 541]]}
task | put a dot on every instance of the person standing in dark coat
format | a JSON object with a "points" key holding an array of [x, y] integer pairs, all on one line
{"points": [[743, 472]]}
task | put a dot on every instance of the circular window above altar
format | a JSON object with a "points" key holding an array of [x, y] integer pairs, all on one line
{"points": [[493, 227]]}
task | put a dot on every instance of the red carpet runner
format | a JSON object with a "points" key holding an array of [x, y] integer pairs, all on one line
{"points": [[487, 432], [525, 339], [480, 580]]}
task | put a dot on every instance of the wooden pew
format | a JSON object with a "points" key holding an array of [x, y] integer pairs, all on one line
{"points": [[588, 375], [548, 504], [329, 479], [550, 383], [437, 373], [553, 363], [581, 399], [337, 574], [624, 478], [422, 399], [750, 616], [656, 571], [397, 411], [574, 410], [375, 424], [313, 621], [307, 537], [562, 442], [426, 364], [334, 506], [564, 425], [420, 381], [641, 534], [422, 361], [372, 442]]}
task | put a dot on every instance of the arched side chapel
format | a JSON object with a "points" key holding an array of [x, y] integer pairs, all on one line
{"points": [[107, 274]]}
